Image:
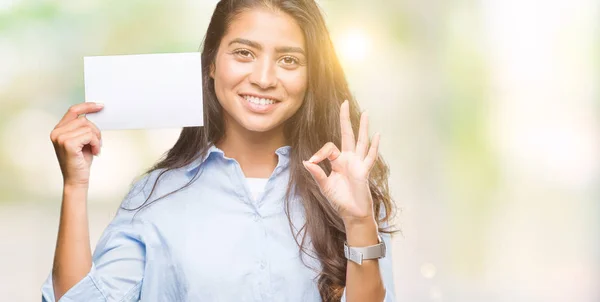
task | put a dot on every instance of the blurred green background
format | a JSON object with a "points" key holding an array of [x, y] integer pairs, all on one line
{"points": [[489, 114]]}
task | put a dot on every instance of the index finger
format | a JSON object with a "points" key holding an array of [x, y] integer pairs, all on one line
{"points": [[78, 109]]}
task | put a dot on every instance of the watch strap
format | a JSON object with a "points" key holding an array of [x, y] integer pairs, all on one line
{"points": [[358, 254]]}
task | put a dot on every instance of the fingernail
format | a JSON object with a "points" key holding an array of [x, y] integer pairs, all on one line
{"points": [[99, 104], [312, 159]]}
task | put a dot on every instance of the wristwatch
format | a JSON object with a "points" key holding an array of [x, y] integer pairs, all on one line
{"points": [[358, 254]]}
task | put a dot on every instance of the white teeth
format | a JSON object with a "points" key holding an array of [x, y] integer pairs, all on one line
{"points": [[258, 101]]}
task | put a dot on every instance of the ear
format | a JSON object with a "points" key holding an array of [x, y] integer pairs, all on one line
{"points": [[212, 70]]}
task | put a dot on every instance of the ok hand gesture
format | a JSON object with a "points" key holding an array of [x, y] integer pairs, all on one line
{"points": [[347, 187]]}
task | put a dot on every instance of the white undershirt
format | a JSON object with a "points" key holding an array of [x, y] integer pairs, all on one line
{"points": [[256, 186]]}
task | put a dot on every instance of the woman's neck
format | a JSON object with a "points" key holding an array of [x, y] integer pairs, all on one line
{"points": [[254, 151]]}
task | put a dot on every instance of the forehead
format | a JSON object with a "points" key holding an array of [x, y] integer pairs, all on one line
{"points": [[267, 27]]}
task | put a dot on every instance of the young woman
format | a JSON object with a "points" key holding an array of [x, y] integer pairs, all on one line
{"points": [[281, 196]]}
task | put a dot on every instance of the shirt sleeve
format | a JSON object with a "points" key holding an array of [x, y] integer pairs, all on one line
{"points": [[386, 269], [117, 264]]}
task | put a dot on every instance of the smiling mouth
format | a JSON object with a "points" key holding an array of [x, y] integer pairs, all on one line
{"points": [[259, 101]]}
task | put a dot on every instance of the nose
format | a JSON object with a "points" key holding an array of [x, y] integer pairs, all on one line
{"points": [[263, 75]]}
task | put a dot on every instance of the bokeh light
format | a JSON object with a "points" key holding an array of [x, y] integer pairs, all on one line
{"points": [[353, 45]]}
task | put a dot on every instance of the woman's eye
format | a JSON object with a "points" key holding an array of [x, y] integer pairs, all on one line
{"points": [[244, 53], [289, 60]]}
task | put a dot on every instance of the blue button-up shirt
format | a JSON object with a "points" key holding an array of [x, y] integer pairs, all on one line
{"points": [[208, 242]]}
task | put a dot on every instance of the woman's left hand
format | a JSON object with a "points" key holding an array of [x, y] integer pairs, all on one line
{"points": [[347, 187]]}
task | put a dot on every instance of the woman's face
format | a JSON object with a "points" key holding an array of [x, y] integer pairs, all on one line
{"points": [[260, 70]]}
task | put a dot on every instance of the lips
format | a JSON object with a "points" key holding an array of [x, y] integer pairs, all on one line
{"points": [[258, 104]]}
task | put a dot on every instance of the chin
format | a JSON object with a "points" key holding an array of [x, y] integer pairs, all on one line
{"points": [[258, 124], [262, 124], [258, 128]]}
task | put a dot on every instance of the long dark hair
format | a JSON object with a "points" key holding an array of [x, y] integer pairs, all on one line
{"points": [[315, 123]]}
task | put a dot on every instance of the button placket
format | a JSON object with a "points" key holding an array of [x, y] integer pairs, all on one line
{"points": [[237, 177]]}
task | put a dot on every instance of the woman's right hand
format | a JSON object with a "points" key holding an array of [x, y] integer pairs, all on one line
{"points": [[75, 141]]}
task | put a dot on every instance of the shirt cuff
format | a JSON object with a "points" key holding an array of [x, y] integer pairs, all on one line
{"points": [[86, 289]]}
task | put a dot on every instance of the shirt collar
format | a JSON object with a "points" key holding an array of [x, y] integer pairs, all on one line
{"points": [[281, 151], [197, 162]]}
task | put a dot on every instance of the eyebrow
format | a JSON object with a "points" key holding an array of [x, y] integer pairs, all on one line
{"points": [[259, 47]]}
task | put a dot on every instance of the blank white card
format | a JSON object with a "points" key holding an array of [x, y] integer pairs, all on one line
{"points": [[145, 91]]}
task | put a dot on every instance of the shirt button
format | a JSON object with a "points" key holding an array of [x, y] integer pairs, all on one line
{"points": [[263, 265]]}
